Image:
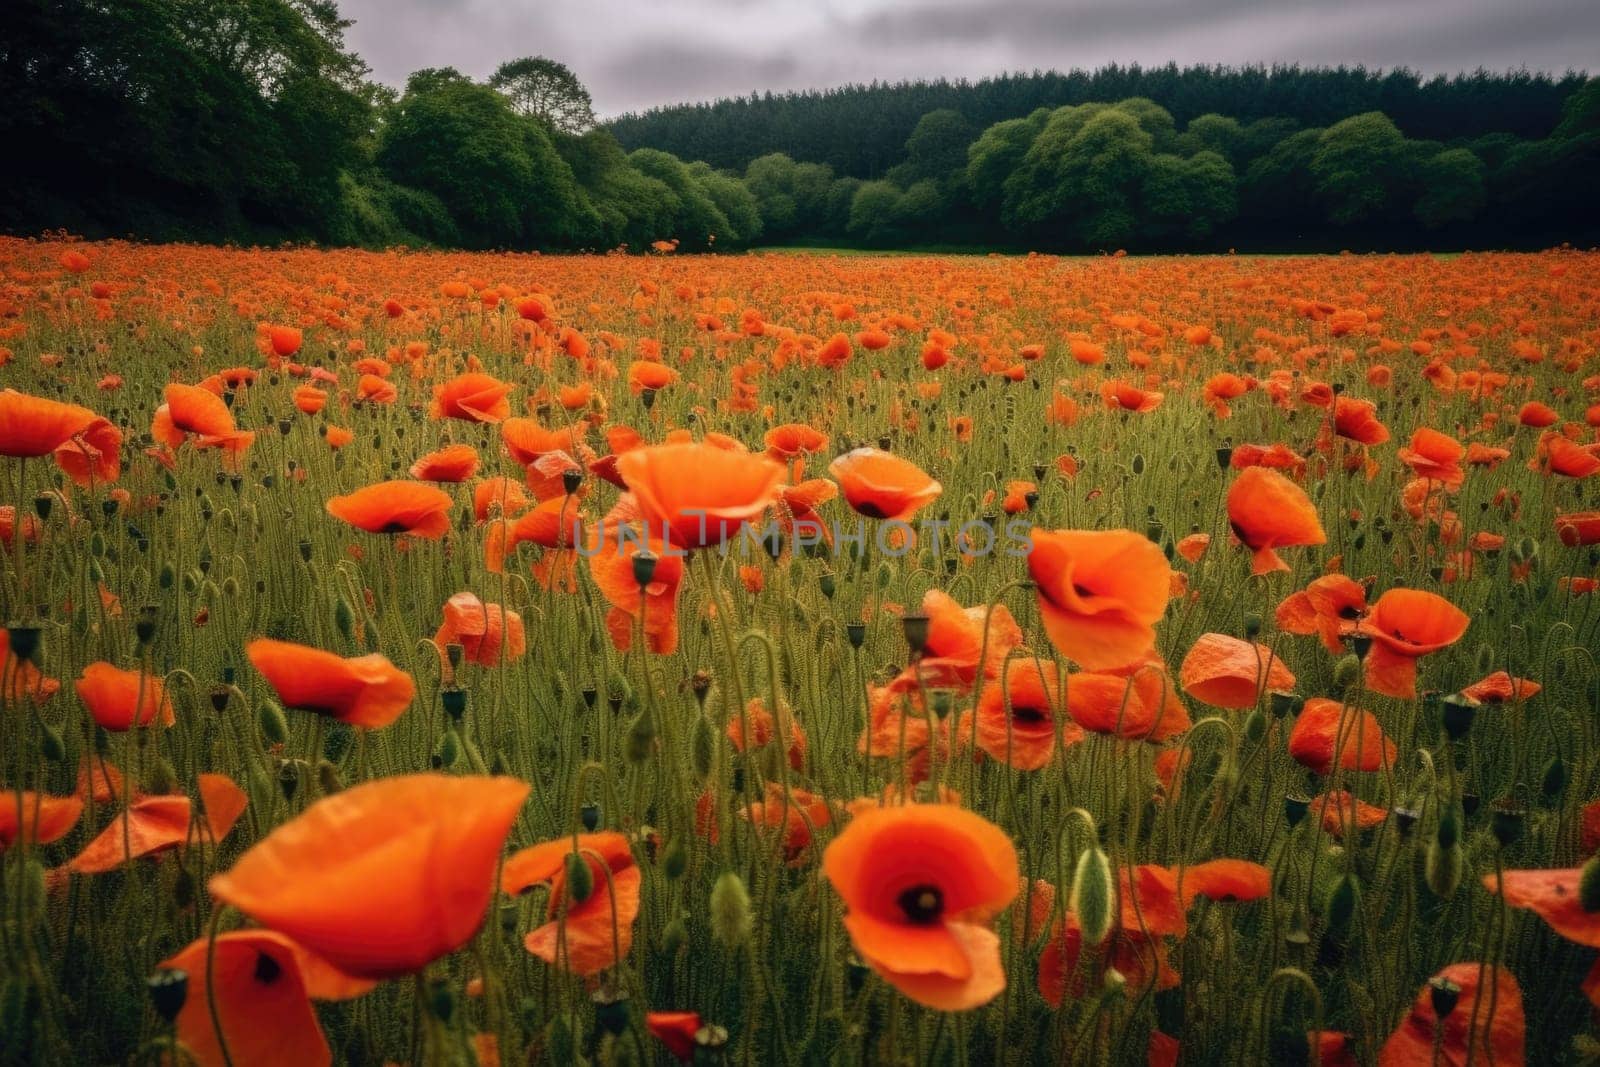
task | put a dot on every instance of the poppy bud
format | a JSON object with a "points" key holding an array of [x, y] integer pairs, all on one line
{"points": [[1137, 465], [590, 694], [1554, 782], [641, 737], [305, 551], [571, 479], [1443, 993], [50, 745], [1589, 885], [580, 878], [731, 921], [825, 582], [1361, 644], [1092, 894], [1255, 725], [42, 504], [168, 990], [1224, 457], [647, 397], [328, 778], [675, 860], [163, 777], [24, 642], [674, 937], [1442, 868], [1346, 671], [1252, 625], [1342, 905], [449, 749], [273, 727], [344, 617], [1456, 714]]}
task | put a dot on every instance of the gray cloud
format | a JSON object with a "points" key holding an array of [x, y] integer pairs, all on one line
{"points": [[638, 53]]}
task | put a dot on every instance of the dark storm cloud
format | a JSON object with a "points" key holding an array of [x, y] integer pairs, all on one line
{"points": [[637, 53]]}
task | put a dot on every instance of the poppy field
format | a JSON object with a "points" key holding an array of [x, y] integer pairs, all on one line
{"points": [[452, 658]]}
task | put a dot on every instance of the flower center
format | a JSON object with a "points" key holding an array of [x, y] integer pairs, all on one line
{"points": [[922, 904]]}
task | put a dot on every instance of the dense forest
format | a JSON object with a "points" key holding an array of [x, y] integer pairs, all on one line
{"points": [[251, 121]]}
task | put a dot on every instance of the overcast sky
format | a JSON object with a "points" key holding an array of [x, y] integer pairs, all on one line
{"points": [[634, 54]]}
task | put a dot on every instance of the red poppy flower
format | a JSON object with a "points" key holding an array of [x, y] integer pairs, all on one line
{"points": [[1434, 456], [1325, 728], [697, 494], [472, 398], [1016, 721], [675, 1030], [453, 463], [1502, 688], [365, 691], [38, 820], [1226, 881], [881, 485], [384, 877], [396, 507], [120, 700], [1357, 420], [1100, 593], [1490, 1020], [1267, 511], [596, 932], [488, 634], [1405, 625], [1227, 672], [918, 883], [257, 986]]}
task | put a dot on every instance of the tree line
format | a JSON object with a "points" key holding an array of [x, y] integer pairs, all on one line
{"points": [[252, 121]]}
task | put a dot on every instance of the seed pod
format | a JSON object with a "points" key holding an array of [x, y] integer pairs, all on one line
{"points": [[702, 747], [273, 725], [731, 921], [1442, 869], [641, 738], [169, 989], [676, 859], [1092, 894], [580, 878], [674, 937]]}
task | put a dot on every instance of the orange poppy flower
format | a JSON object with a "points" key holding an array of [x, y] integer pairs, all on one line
{"points": [[596, 932], [120, 700], [1225, 881], [260, 989], [676, 1030], [794, 439], [364, 691], [1100, 593], [762, 730], [1267, 511], [38, 820], [472, 398], [151, 824], [1016, 722], [797, 811], [1434, 456], [506, 495], [611, 553], [1325, 728], [1501, 688], [453, 463], [1331, 607], [1357, 420], [644, 374], [1578, 528], [309, 399], [881, 485], [1493, 1023], [555, 523], [384, 877], [1227, 672], [488, 634], [698, 495], [918, 882], [1141, 959], [395, 507], [85, 445], [1405, 625], [1554, 896], [1338, 809], [956, 639]]}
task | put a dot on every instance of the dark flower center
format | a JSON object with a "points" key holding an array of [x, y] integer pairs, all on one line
{"points": [[268, 969], [922, 903], [871, 510], [1026, 716]]}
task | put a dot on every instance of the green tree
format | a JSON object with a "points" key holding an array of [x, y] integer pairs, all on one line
{"points": [[1453, 188], [997, 153], [875, 213], [546, 90], [936, 149], [1357, 167]]}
